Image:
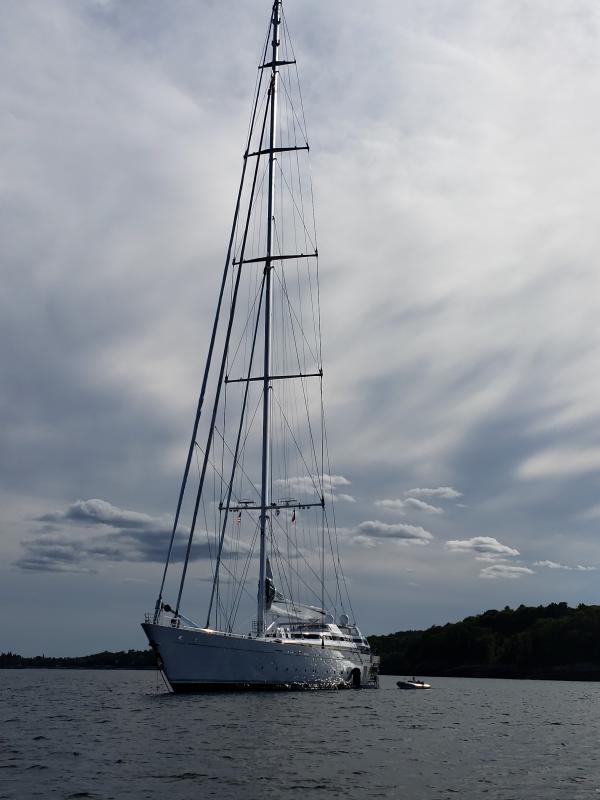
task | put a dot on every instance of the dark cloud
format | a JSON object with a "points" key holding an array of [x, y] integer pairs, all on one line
{"points": [[99, 512], [124, 536]]}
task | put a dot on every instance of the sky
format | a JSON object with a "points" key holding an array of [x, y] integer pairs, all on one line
{"points": [[453, 149]]}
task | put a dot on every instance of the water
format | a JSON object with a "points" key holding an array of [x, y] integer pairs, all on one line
{"points": [[100, 734]]}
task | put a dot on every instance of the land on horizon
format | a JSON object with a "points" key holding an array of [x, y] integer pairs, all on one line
{"points": [[546, 642]]}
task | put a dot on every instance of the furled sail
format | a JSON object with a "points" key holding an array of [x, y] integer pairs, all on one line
{"points": [[271, 592], [283, 608], [296, 612]]}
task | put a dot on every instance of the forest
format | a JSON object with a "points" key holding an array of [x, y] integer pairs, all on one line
{"points": [[553, 641]]}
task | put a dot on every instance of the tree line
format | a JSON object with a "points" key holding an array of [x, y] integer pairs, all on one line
{"points": [[124, 659], [553, 641]]}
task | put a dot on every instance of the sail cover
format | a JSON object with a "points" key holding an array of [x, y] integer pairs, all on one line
{"points": [[284, 608], [296, 612]]}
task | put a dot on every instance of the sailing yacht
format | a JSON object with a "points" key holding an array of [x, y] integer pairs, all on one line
{"points": [[257, 487]]}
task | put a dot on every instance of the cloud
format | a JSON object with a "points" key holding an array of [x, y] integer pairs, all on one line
{"points": [[560, 462], [338, 498], [421, 505], [556, 565], [485, 546], [344, 498], [411, 503], [443, 492], [310, 485], [99, 512], [505, 571], [373, 530], [590, 513], [98, 532], [306, 483], [392, 505]]}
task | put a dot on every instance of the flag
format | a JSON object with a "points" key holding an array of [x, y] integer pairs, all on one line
{"points": [[294, 516], [238, 519]]}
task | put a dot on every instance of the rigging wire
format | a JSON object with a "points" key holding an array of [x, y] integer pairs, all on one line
{"points": [[303, 382], [237, 448], [292, 438], [218, 390]]}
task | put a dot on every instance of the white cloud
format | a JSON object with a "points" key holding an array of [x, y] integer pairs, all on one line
{"points": [[309, 484], [421, 505], [482, 546], [411, 503], [392, 505], [335, 480], [443, 492], [550, 565], [344, 498], [505, 571], [560, 462], [303, 486], [399, 532], [556, 565]]}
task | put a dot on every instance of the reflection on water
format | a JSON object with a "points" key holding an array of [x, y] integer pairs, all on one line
{"points": [[101, 734]]}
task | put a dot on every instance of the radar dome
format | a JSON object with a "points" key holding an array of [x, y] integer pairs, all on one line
{"points": [[344, 619]]}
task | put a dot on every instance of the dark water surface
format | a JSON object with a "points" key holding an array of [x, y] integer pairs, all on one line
{"points": [[100, 734]]}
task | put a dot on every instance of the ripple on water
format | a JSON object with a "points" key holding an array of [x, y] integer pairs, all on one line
{"points": [[473, 738]]}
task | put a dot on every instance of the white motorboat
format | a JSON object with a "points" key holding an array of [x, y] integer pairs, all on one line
{"points": [[413, 684], [262, 501]]}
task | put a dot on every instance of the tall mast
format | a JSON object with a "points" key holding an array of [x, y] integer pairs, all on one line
{"points": [[265, 498]]}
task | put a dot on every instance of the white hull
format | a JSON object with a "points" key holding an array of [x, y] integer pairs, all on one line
{"points": [[196, 660]]}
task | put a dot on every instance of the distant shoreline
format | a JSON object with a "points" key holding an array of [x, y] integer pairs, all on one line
{"points": [[123, 659]]}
